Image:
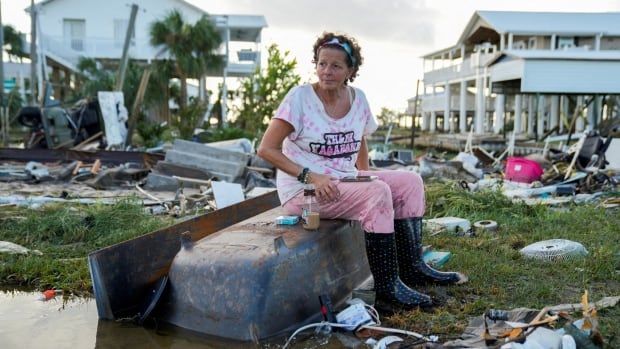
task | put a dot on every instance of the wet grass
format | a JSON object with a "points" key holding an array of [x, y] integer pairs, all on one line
{"points": [[65, 235], [499, 277]]}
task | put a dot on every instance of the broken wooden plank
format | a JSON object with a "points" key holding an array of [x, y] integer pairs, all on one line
{"points": [[106, 156]]}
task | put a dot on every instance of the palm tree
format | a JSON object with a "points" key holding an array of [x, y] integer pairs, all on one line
{"points": [[14, 45], [192, 47]]}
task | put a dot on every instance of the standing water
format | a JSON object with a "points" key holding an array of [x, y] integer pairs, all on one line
{"points": [[29, 321]]}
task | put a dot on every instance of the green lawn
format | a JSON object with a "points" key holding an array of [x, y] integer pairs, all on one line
{"points": [[499, 276]]}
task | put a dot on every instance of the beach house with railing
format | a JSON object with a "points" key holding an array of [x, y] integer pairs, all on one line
{"points": [[531, 72]]}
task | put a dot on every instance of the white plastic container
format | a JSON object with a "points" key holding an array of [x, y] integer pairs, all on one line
{"points": [[451, 224]]}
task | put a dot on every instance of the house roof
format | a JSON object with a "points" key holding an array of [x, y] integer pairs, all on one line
{"points": [[45, 2], [492, 23], [523, 23], [242, 27], [553, 22]]}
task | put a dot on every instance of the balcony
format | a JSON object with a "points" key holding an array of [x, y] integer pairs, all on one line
{"points": [[246, 63], [466, 70], [71, 50], [436, 102], [247, 55], [242, 62]]}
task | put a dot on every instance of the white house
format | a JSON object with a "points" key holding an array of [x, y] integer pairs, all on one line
{"points": [[69, 29], [534, 69]]}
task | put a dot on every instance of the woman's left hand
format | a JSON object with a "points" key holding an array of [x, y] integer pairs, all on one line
{"points": [[325, 188]]}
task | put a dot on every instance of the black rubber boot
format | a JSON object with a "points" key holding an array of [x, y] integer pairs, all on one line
{"points": [[381, 252], [413, 269]]}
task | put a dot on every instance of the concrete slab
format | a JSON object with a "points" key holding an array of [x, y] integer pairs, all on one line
{"points": [[232, 169], [224, 164], [210, 151]]}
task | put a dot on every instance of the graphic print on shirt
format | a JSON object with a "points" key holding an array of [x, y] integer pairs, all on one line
{"points": [[337, 145]]}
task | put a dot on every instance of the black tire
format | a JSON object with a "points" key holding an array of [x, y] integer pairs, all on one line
{"points": [[29, 116]]}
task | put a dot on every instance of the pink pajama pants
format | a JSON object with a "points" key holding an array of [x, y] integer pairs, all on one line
{"points": [[394, 195]]}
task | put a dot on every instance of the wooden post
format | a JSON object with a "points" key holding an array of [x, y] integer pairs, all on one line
{"points": [[133, 117], [415, 112]]}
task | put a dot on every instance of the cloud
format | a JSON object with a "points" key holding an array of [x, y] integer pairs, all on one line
{"points": [[398, 21]]}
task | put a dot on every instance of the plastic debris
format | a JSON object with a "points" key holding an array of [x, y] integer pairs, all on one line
{"points": [[47, 295]]}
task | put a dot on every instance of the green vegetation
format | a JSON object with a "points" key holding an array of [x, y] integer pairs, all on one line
{"points": [[13, 44], [261, 93], [192, 47], [65, 235], [499, 277]]}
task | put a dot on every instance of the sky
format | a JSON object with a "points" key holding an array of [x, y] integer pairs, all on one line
{"points": [[393, 34]]}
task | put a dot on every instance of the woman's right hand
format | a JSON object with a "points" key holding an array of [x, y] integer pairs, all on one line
{"points": [[325, 188]]}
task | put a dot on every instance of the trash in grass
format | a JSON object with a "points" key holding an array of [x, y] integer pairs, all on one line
{"points": [[449, 224], [529, 328], [555, 250], [487, 226], [13, 248]]}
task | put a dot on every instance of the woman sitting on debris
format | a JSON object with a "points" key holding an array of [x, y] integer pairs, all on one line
{"points": [[318, 136]]}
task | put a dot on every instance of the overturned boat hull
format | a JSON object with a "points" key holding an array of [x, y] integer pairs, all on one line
{"points": [[256, 279]]}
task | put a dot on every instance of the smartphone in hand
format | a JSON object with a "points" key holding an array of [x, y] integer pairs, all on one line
{"points": [[358, 178]]}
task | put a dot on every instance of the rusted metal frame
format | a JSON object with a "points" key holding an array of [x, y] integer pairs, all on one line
{"points": [[122, 274], [105, 156]]}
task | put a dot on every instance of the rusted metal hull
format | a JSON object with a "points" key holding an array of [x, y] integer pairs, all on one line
{"points": [[255, 279], [123, 274]]}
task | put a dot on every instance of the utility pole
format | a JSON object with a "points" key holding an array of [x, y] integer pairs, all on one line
{"points": [[4, 114], [130, 28], [1, 56], [33, 53]]}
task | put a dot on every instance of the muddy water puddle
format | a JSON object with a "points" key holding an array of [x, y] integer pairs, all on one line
{"points": [[28, 322]]}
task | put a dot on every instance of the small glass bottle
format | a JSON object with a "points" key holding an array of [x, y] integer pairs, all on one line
{"points": [[310, 218]]}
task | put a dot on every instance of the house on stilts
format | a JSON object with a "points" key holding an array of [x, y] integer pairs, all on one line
{"points": [[534, 73]]}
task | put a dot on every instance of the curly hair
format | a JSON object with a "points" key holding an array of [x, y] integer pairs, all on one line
{"points": [[354, 60]]}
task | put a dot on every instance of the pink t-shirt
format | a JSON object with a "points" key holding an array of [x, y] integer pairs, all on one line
{"points": [[321, 143]]}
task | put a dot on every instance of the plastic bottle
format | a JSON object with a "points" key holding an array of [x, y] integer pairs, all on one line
{"points": [[310, 218]]}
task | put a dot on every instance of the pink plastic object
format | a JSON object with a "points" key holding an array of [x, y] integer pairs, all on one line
{"points": [[522, 170]]}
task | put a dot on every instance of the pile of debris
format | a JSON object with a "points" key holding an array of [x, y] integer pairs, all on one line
{"points": [[587, 171], [189, 177]]}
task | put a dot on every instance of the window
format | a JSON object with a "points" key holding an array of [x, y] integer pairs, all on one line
{"points": [[531, 43], [74, 33]]}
